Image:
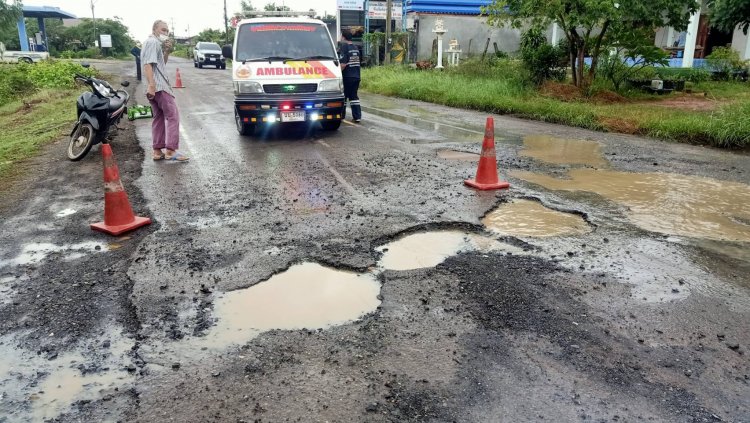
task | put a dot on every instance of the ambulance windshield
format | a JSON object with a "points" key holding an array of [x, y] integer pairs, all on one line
{"points": [[284, 41]]}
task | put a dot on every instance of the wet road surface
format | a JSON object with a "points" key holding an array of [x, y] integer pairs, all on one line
{"points": [[306, 275]]}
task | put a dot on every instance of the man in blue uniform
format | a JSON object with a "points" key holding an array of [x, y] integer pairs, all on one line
{"points": [[349, 57]]}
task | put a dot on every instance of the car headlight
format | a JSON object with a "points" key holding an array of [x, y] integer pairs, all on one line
{"points": [[247, 87], [331, 85]]}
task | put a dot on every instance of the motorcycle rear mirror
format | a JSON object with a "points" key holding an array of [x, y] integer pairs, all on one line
{"points": [[85, 64], [125, 83]]}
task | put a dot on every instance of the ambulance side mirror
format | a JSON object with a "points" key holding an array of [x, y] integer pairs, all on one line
{"points": [[226, 51]]}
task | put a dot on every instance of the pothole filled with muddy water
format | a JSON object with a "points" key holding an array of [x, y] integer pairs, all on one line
{"points": [[530, 218], [671, 204], [307, 296], [666, 203], [428, 249], [563, 151]]}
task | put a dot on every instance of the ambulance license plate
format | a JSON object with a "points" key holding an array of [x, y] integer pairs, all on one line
{"points": [[292, 116]]}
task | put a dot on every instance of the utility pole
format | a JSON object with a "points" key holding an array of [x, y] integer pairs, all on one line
{"points": [[93, 18], [388, 5], [226, 24]]}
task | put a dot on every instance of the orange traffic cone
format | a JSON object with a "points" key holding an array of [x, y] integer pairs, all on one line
{"points": [[487, 170], [178, 80], [118, 215]]}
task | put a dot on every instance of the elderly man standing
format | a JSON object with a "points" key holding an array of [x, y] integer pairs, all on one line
{"points": [[165, 128]]}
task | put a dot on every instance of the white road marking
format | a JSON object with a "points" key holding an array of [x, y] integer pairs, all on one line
{"points": [[324, 143], [430, 121], [349, 188]]}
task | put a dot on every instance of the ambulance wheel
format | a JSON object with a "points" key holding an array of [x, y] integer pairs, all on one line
{"points": [[223, 66], [330, 125], [200, 65], [243, 128]]}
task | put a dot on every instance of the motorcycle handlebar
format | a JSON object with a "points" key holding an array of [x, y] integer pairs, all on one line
{"points": [[90, 81]]}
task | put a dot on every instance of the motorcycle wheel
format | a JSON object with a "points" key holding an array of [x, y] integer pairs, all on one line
{"points": [[81, 142]]}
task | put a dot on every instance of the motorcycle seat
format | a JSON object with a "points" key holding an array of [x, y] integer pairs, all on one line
{"points": [[115, 103]]}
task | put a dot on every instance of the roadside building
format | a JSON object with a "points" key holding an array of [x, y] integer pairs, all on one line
{"points": [[463, 22], [689, 48]]}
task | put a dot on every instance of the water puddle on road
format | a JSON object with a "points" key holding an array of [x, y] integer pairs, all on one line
{"points": [[66, 212], [458, 155], [453, 133], [307, 296], [531, 218], [428, 249], [671, 204], [39, 387], [35, 253], [66, 385], [563, 151]]}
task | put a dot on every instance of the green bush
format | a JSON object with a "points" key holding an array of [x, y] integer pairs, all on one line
{"points": [[56, 74], [541, 60], [725, 62], [18, 80], [682, 74]]}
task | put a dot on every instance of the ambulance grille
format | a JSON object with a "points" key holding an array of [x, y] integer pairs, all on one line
{"points": [[290, 88]]}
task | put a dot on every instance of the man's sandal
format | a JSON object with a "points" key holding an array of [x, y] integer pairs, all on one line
{"points": [[176, 157]]}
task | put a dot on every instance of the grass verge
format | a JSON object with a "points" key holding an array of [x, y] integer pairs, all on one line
{"points": [[30, 123], [728, 126]]}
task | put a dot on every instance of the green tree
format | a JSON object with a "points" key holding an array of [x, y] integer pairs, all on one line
{"points": [[84, 34], [270, 7], [9, 13], [213, 35], [633, 53], [728, 14], [590, 26], [247, 7]]}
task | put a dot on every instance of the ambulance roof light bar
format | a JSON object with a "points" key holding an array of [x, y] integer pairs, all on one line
{"points": [[282, 13]]}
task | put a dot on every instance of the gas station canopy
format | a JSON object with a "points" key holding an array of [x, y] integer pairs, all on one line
{"points": [[46, 12], [41, 13]]}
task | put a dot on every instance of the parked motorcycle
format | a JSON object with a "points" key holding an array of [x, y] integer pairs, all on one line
{"points": [[98, 111]]}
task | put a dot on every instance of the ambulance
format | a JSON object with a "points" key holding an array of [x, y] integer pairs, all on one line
{"points": [[284, 70]]}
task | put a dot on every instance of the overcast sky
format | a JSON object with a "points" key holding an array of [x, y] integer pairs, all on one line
{"points": [[139, 15]]}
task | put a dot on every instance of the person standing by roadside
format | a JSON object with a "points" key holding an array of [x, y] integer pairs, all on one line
{"points": [[165, 128], [350, 62], [136, 52]]}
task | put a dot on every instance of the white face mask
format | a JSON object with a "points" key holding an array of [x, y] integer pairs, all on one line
{"points": [[163, 37]]}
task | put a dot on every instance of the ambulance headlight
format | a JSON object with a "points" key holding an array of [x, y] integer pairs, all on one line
{"points": [[247, 87], [331, 85]]}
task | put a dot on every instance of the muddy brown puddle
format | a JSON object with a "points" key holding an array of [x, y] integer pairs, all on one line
{"points": [[666, 203], [307, 296], [428, 249], [531, 219], [563, 151]]}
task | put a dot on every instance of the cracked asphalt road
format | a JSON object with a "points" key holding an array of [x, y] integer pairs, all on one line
{"points": [[617, 324]]}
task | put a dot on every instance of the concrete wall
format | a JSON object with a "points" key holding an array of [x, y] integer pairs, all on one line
{"points": [[741, 43], [463, 29]]}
